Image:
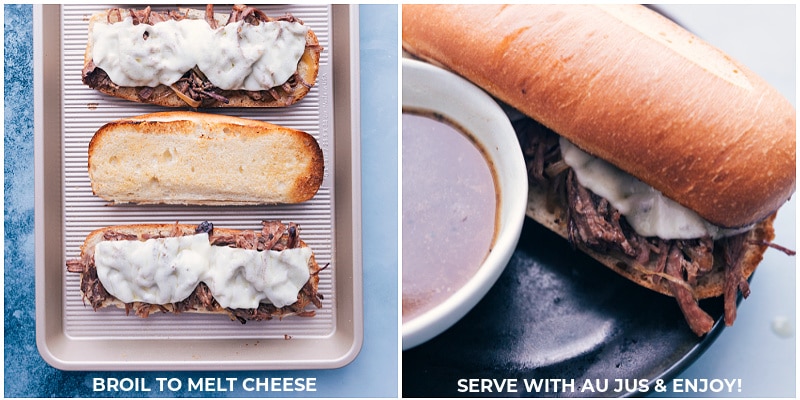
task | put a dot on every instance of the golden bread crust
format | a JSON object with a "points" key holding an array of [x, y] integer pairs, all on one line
{"points": [[631, 87]]}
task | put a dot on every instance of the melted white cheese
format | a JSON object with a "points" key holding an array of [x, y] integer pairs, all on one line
{"points": [[646, 209], [234, 56], [167, 270]]}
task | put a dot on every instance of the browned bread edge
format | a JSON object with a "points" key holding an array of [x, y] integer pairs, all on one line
{"points": [[720, 143]]}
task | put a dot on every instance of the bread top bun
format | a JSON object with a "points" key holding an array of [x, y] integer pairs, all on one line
{"points": [[631, 87], [279, 96], [181, 157]]}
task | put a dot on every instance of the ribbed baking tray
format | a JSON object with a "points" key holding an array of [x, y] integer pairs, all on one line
{"points": [[68, 113]]}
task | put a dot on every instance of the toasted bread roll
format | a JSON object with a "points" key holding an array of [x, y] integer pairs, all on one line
{"points": [[274, 236], [203, 159], [159, 57], [631, 87]]}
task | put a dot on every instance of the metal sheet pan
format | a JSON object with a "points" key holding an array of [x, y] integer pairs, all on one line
{"points": [[70, 335]]}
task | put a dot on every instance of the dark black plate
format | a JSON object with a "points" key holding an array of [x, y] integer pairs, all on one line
{"points": [[555, 313]]}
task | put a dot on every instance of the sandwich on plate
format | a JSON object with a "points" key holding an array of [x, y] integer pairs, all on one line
{"points": [[647, 148]]}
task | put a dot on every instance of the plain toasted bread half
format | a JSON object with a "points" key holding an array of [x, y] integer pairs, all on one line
{"points": [[203, 159]]}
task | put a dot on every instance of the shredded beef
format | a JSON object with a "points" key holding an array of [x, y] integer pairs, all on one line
{"points": [[699, 321], [196, 86], [782, 249], [140, 16], [112, 235], [734, 276], [75, 266], [272, 231], [539, 146], [594, 223], [200, 299], [95, 77], [212, 22], [698, 257], [144, 16], [251, 15], [91, 287], [292, 233]]}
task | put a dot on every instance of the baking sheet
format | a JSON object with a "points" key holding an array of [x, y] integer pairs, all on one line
{"points": [[69, 113]]}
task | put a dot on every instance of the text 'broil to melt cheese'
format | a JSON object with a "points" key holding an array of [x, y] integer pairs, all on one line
{"points": [[167, 270], [236, 56]]}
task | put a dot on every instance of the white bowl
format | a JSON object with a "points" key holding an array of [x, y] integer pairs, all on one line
{"points": [[426, 87]]}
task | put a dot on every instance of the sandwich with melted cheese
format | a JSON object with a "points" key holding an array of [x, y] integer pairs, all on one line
{"points": [[180, 268], [647, 148], [199, 58], [192, 158]]}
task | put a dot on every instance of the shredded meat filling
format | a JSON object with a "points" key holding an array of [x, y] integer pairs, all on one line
{"points": [[194, 85], [699, 321], [734, 276], [594, 223], [269, 238]]}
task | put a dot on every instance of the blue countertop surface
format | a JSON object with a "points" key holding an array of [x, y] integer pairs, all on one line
{"points": [[373, 373]]}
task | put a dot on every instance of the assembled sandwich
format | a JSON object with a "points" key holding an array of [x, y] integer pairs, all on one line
{"points": [[647, 148]]}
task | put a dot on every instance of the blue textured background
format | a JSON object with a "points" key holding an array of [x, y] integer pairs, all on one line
{"points": [[372, 374], [20, 347]]}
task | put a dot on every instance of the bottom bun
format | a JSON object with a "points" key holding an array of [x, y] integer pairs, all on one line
{"points": [[710, 285]]}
